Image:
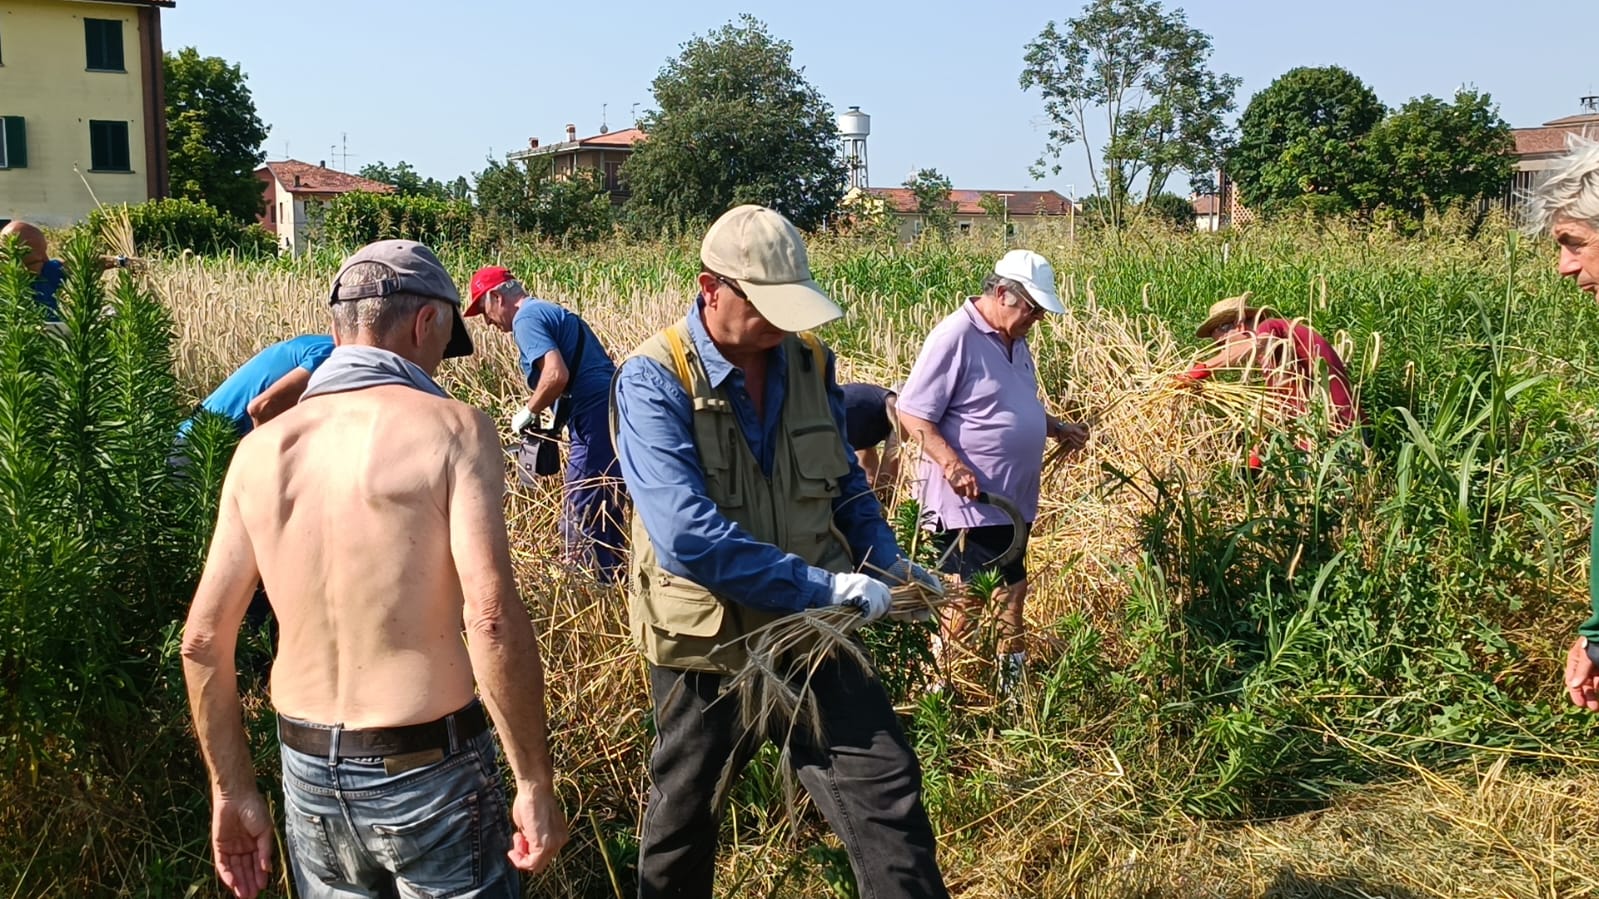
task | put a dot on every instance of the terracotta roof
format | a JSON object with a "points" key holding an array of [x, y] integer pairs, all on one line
{"points": [[624, 138], [1533, 141], [969, 202], [1586, 118], [1206, 204], [314, 179]]}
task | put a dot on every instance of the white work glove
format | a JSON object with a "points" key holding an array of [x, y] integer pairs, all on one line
{"points": [[862, 591], [522, 420]]}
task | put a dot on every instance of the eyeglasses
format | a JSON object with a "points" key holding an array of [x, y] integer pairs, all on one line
{"points": [[731, 285], [1032, 307]]}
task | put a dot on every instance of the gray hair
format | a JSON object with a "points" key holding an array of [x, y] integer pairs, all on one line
{"points": [[376, 316], [994, 282], [1570, 192]]}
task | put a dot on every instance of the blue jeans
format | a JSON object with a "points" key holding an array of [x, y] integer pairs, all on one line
{"points": [[439, 830], [593, 506]]}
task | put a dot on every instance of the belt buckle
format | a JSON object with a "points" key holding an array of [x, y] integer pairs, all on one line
{"points": [[408, 761]]}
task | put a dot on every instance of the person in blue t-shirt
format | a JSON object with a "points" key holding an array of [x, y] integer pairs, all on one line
{"points": [[47, 273], [270, 383], [561, 357], [871, 427]]}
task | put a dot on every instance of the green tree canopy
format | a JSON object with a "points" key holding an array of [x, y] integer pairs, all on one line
{"points": [[1146, 72], [1303, 135], [514, 200], [407, 181], [736, 123], [1431, 154], [213, 134], [931, 191]]}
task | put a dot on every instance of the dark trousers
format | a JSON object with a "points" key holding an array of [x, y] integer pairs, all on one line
{"points": [[862, 776]]}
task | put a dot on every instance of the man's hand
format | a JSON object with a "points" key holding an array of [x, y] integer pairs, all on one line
{"points": [[1191, 378], [1582, 680], [905, 571], [241, 842], [522, 420], [961, 479], [540, 829], [862, 591], [1075, 436]]}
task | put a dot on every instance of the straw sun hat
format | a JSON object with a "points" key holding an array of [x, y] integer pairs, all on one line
{"points": [[1234, 311]]}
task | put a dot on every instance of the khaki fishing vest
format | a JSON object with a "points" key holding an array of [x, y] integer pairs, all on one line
{"points": [[675, 622]]}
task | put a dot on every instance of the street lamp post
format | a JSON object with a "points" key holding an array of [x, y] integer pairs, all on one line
{"points": [[1071, 213]]}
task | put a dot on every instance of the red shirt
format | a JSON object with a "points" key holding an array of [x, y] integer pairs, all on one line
{"points": [[1293, 357]]}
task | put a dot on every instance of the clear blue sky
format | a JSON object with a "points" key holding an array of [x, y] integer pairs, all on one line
{"points": [[443, 86]]}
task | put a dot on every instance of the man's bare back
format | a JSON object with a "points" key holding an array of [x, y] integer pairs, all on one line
{"points": [[345, 500]]}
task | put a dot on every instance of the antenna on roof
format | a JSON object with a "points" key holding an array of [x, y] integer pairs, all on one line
{"points": [[1590, 104], [604, 128], [635, 115]]}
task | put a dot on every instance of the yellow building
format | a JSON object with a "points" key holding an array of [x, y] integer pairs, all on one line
{"points": [[80, 101]]}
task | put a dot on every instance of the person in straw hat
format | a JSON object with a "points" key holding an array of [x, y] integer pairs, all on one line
{"points": [[1295, 360], [749, 507], [972, 402], [1566, 206]]}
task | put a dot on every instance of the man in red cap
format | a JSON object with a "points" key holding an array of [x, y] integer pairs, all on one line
{"points": [[566, 367]]}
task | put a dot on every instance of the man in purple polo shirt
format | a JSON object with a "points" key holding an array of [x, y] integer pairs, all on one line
{"points": [[972, 403]]}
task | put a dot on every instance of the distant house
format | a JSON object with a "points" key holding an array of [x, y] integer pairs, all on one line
{"points": [[1538, 149], [1020, 210], [296, 193], [604, 153], [1207, 212], [82, 107]]}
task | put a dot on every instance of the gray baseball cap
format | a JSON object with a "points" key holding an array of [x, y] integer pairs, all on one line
{"points": [[413, 269]]}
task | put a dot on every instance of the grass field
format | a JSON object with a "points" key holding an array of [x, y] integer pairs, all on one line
{"points": [[1341, 679]]}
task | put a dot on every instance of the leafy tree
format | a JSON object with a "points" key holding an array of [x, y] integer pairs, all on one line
{"points": [[407, 181], [1171, 210], [514, 200], [1431, 154], [1146, 71], [931, 191], [213, 134], [737, 123], [1303, 135]]}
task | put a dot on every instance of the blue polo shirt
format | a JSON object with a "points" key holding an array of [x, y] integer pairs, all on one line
{"points": [[232, 398], [541, 326], [45, 285]]}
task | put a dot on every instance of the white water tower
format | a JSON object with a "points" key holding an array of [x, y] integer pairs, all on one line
{"points": [[853, 127]]}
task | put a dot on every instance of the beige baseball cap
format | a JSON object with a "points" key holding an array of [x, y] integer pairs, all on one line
{"points": [[764, 253]]}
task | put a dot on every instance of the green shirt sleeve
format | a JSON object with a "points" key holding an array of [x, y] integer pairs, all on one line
{"points": [[1590, 628]]}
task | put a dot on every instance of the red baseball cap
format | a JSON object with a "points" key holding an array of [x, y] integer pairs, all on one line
{"points": [[484, 280]]}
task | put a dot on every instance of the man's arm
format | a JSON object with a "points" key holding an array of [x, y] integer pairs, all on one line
{"points": [[960, 476], [241, 827], [280, 397], [692, 538], [553, 378], [500, 640]]}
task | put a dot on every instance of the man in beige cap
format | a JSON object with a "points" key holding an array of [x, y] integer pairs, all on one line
{"points": [[371, 511], [749, 506], [1293, 358]]}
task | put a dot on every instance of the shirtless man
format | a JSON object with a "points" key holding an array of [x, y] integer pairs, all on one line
{"points": [[372, 513]]}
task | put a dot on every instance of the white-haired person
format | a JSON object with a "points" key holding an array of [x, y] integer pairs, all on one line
{"points": [[1566, 206]]}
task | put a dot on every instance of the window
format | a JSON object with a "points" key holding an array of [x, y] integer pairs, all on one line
{"points": [[966, 227], [613, 176], [108, 147], [103, 41], [13, 143]]}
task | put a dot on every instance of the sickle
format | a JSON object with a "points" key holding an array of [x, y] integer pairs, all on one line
{"points": [[1018, 531]]}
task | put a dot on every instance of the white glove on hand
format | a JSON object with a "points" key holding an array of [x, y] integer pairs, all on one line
{"points": [[862, 591], [521, 420]]}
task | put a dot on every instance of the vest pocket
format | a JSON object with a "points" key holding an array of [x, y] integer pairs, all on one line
{"points": [[683, 608], [818, 460]]}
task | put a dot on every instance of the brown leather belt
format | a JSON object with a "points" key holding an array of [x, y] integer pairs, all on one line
{"points": [[380, 742]]}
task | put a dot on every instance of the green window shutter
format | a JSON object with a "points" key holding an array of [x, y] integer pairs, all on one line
{"points": [[16, 131]]}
